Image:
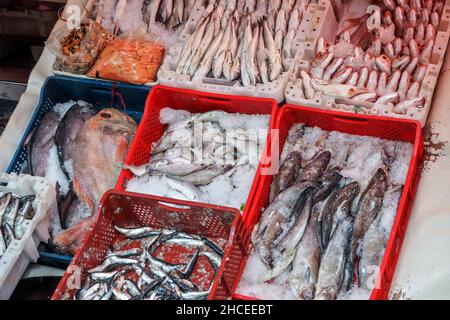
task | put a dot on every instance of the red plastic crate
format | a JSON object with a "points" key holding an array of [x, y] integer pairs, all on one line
{"points": [[125, 209], [362, 125], [150, 129]]}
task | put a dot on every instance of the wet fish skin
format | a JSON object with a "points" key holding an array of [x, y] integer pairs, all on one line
{"points": [[369, 207], [25, 210], [305, 266], [332, 266], [286, 175], [337, 208], [328, 182], [315, 167], [68, 129]]}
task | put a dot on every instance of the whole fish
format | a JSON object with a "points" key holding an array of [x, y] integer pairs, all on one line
{"points": [[341, 90], [98, 153], [275, 62], [286, 175], [275, 217], [333, 262], [231, 54], [305, 266], [68, 129], [201, 49], [337, 208], [251, 61], [247, 40], [25, 212], [373, 245], [263, 59], [288, 244], [219, 58], [41, 143], [207, 60], [404, 106], [369, 207], [190, 47], [328, 182], [315, 167], [307, 85], [118, 14], [5, 200], [205, 176]]}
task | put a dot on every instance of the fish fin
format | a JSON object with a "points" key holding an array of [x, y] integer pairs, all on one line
{"points": [[122, 150], [71, 239]]}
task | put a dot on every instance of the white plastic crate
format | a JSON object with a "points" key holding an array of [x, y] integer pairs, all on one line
{"points": [[326, 27], [274, 90], [21, 253]]}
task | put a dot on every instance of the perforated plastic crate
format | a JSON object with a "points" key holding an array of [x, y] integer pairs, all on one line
{"points": [[391, 129], [151, 130], [59, 89], [160, 213]]}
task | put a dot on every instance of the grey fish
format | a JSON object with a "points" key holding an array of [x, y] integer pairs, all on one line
{"points": [[315, 168], [112, 262], [369, 207], [41, 143], [286, 175], [305, 266], [288, 244], [332, 266], [4, 204], [328, 182], [205, 176], [348, 278], [337, 208], [276, 216], [137, 233], [24, 213], [68, 129]]}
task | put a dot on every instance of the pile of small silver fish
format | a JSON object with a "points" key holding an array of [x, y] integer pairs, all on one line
{"points": [[14, 211], [315, 226], [195, 149], [385, 67], [242, 40], [138, 274]]}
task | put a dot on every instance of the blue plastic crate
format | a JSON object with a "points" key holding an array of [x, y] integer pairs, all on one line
{"points": [[60, 89]]}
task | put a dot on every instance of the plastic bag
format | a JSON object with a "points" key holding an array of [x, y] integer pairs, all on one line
{"points": [[77, 50], [133, 58]]}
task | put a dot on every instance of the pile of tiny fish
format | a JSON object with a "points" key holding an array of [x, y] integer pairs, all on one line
{"points": [[248, 41], [14, 211], [139, 274], [385, 67], [329, 217], [198, 151]]}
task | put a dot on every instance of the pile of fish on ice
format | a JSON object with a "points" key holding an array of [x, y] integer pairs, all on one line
{"points": [[143, 267], [210, 157], [242, 40], [383, 67], [332, 206], [14, 211], [81, 151]]}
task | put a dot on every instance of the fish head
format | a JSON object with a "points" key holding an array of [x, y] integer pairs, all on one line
{"points": [[294, 157], [353, 189], [381, 178], [114, 121]]}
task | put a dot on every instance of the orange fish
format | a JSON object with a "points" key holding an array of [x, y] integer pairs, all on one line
{"points": [[98, 154]]}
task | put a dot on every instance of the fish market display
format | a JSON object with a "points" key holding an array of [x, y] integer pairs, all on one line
{"points": [[77, 51], [81, 151], [332, 206], [14, 211], [148, 265], [210, 157], [247, 41], [378, 59]]}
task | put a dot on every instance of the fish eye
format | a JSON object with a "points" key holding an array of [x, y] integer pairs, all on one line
{"points": [[105, 115]]}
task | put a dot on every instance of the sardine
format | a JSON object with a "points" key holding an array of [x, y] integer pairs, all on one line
{"points": [[275, 217]]}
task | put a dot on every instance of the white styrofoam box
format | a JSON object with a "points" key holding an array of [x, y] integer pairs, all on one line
{"points": [[22, 252], [327, 29]]}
